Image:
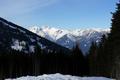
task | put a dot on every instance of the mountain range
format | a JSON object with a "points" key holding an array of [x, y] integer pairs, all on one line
{"points": [[69, 38], [15, 37]]}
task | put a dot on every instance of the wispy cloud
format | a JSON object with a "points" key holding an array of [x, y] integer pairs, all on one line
{"points": [[15, 7]]}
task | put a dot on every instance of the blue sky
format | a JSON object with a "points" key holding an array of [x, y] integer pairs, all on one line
{"points": [[69, 14]]}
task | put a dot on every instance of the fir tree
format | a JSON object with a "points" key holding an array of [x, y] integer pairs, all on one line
{"points": [[114, 38], [92, 58], [101, 56], [78, 61], [109, 52], [37, 59]]}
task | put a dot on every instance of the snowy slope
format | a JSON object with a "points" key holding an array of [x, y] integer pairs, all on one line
{"points": [[59, 77], [68, 38], [47, 32]]}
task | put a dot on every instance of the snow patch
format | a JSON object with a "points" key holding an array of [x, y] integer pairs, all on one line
{"points": [[22, 31], [38, 38], [17, 45], [41, 45], [50, 33], [32, 40], [59, 77], [12, 27], [32, 49]]}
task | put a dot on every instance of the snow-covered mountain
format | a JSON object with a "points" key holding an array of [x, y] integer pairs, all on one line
{"points": [[68, 38], [18, 38], [59, 77]]}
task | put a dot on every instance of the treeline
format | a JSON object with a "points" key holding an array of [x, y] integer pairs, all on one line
{"points": [[15, 64], [104, 58]]}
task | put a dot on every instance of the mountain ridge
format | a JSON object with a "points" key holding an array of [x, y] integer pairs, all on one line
{"points": [[68, 38], [16, 37]]}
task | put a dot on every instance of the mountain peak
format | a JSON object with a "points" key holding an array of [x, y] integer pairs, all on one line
{"points": [[68, 38]]}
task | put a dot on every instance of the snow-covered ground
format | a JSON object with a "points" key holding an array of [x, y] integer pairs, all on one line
{"points": [[59, 77]]}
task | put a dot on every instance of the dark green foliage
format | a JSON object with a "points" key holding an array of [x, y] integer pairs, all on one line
{"points": [[53, 59], [101, 57], [106, 58], [111, 48], [114, 41], [80, 65], [15, 63], [92, 58]]}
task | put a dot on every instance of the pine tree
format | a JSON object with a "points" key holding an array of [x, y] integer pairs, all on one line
{"points": [[92, 58], [101, 56], [78, 61], [114, 37], [111, 52], [37, 58]]}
